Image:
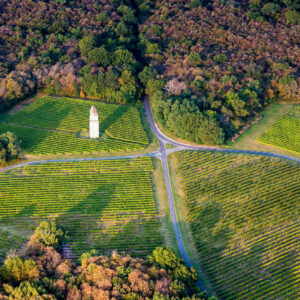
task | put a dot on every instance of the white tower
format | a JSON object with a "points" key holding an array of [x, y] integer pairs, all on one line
{"points": [[94, 123]]}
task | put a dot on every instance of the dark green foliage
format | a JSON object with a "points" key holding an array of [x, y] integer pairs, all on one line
{"points": [[147, 74], [271, 10], [197, 3], [292, 17], [195, 58], [122, 57], [100, 56], [103, 17], [86, 45], [10, 148], [184, 119], [220, 58]]}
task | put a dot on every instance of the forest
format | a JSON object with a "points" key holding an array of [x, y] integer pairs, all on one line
{"points": [[212, 65], [43, 272]]}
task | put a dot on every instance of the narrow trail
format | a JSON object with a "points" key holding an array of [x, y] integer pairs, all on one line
{"points": [[162, 154]]}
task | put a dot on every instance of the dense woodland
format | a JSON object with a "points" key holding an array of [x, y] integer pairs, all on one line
{"points": [[220, 61], [209, 66], [42, 272]]}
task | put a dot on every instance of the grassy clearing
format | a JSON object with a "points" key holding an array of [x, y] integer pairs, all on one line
{"points": [[107, 205], [248, 140], [243, 213], [58, 122], [285, 132]]}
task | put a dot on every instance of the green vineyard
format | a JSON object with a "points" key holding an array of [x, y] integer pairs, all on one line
{"points": [[243, 212], [106, 205], [40, 141], [9, 242], [54, 125], [285, 133]]}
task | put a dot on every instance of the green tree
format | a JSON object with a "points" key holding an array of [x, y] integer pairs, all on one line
{"points": [[147, 74], [237, 104], [103, 17], [220, 58], [25, 291], [16, 270], [49, 234], [271, 10], [195, 58], [100, 56], [292, 17], [10, 147], [154, 85], [122, 57], [86, 45]]}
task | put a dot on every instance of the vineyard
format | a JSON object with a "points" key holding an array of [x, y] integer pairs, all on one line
{"points": [[9, 242], [243, 212], [54, 125], [285, 132], [107, 205]]}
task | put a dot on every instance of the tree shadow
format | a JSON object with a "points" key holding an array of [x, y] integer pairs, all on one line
{"points": [[93, 226], [106, 123]]}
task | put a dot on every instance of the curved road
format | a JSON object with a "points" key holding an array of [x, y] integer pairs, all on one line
{"points": [[162, 154]]}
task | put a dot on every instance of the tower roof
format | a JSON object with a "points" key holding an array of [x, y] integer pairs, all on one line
{"points": [[93, 111]]}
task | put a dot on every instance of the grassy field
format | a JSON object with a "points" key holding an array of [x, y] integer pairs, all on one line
{"points": [[58, 125], [243, 212], [285, 133], [107, 205], [249, 139]]}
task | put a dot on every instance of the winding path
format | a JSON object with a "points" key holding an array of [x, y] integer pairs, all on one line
{"points": [[162, 153]]}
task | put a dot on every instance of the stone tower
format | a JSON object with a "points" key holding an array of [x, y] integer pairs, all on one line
{"points": [[94, 123]]}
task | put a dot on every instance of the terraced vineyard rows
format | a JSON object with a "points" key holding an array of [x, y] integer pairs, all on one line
{"points": [[9, 242], [244, 215], [285, 132], [122, 125], [107, 205]]}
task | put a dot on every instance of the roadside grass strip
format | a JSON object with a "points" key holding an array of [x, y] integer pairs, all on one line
{"points": [[244, 212], [104, 205], [285, 133], [70, 117]]}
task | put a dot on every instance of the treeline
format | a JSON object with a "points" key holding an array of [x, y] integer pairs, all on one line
{"points": [[228, 58], [76, 48], [225, 59], [43, 273]]}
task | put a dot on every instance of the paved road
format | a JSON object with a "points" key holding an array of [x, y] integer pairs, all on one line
{"points": [[30, 163], [182, 146], [162, 154]]}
